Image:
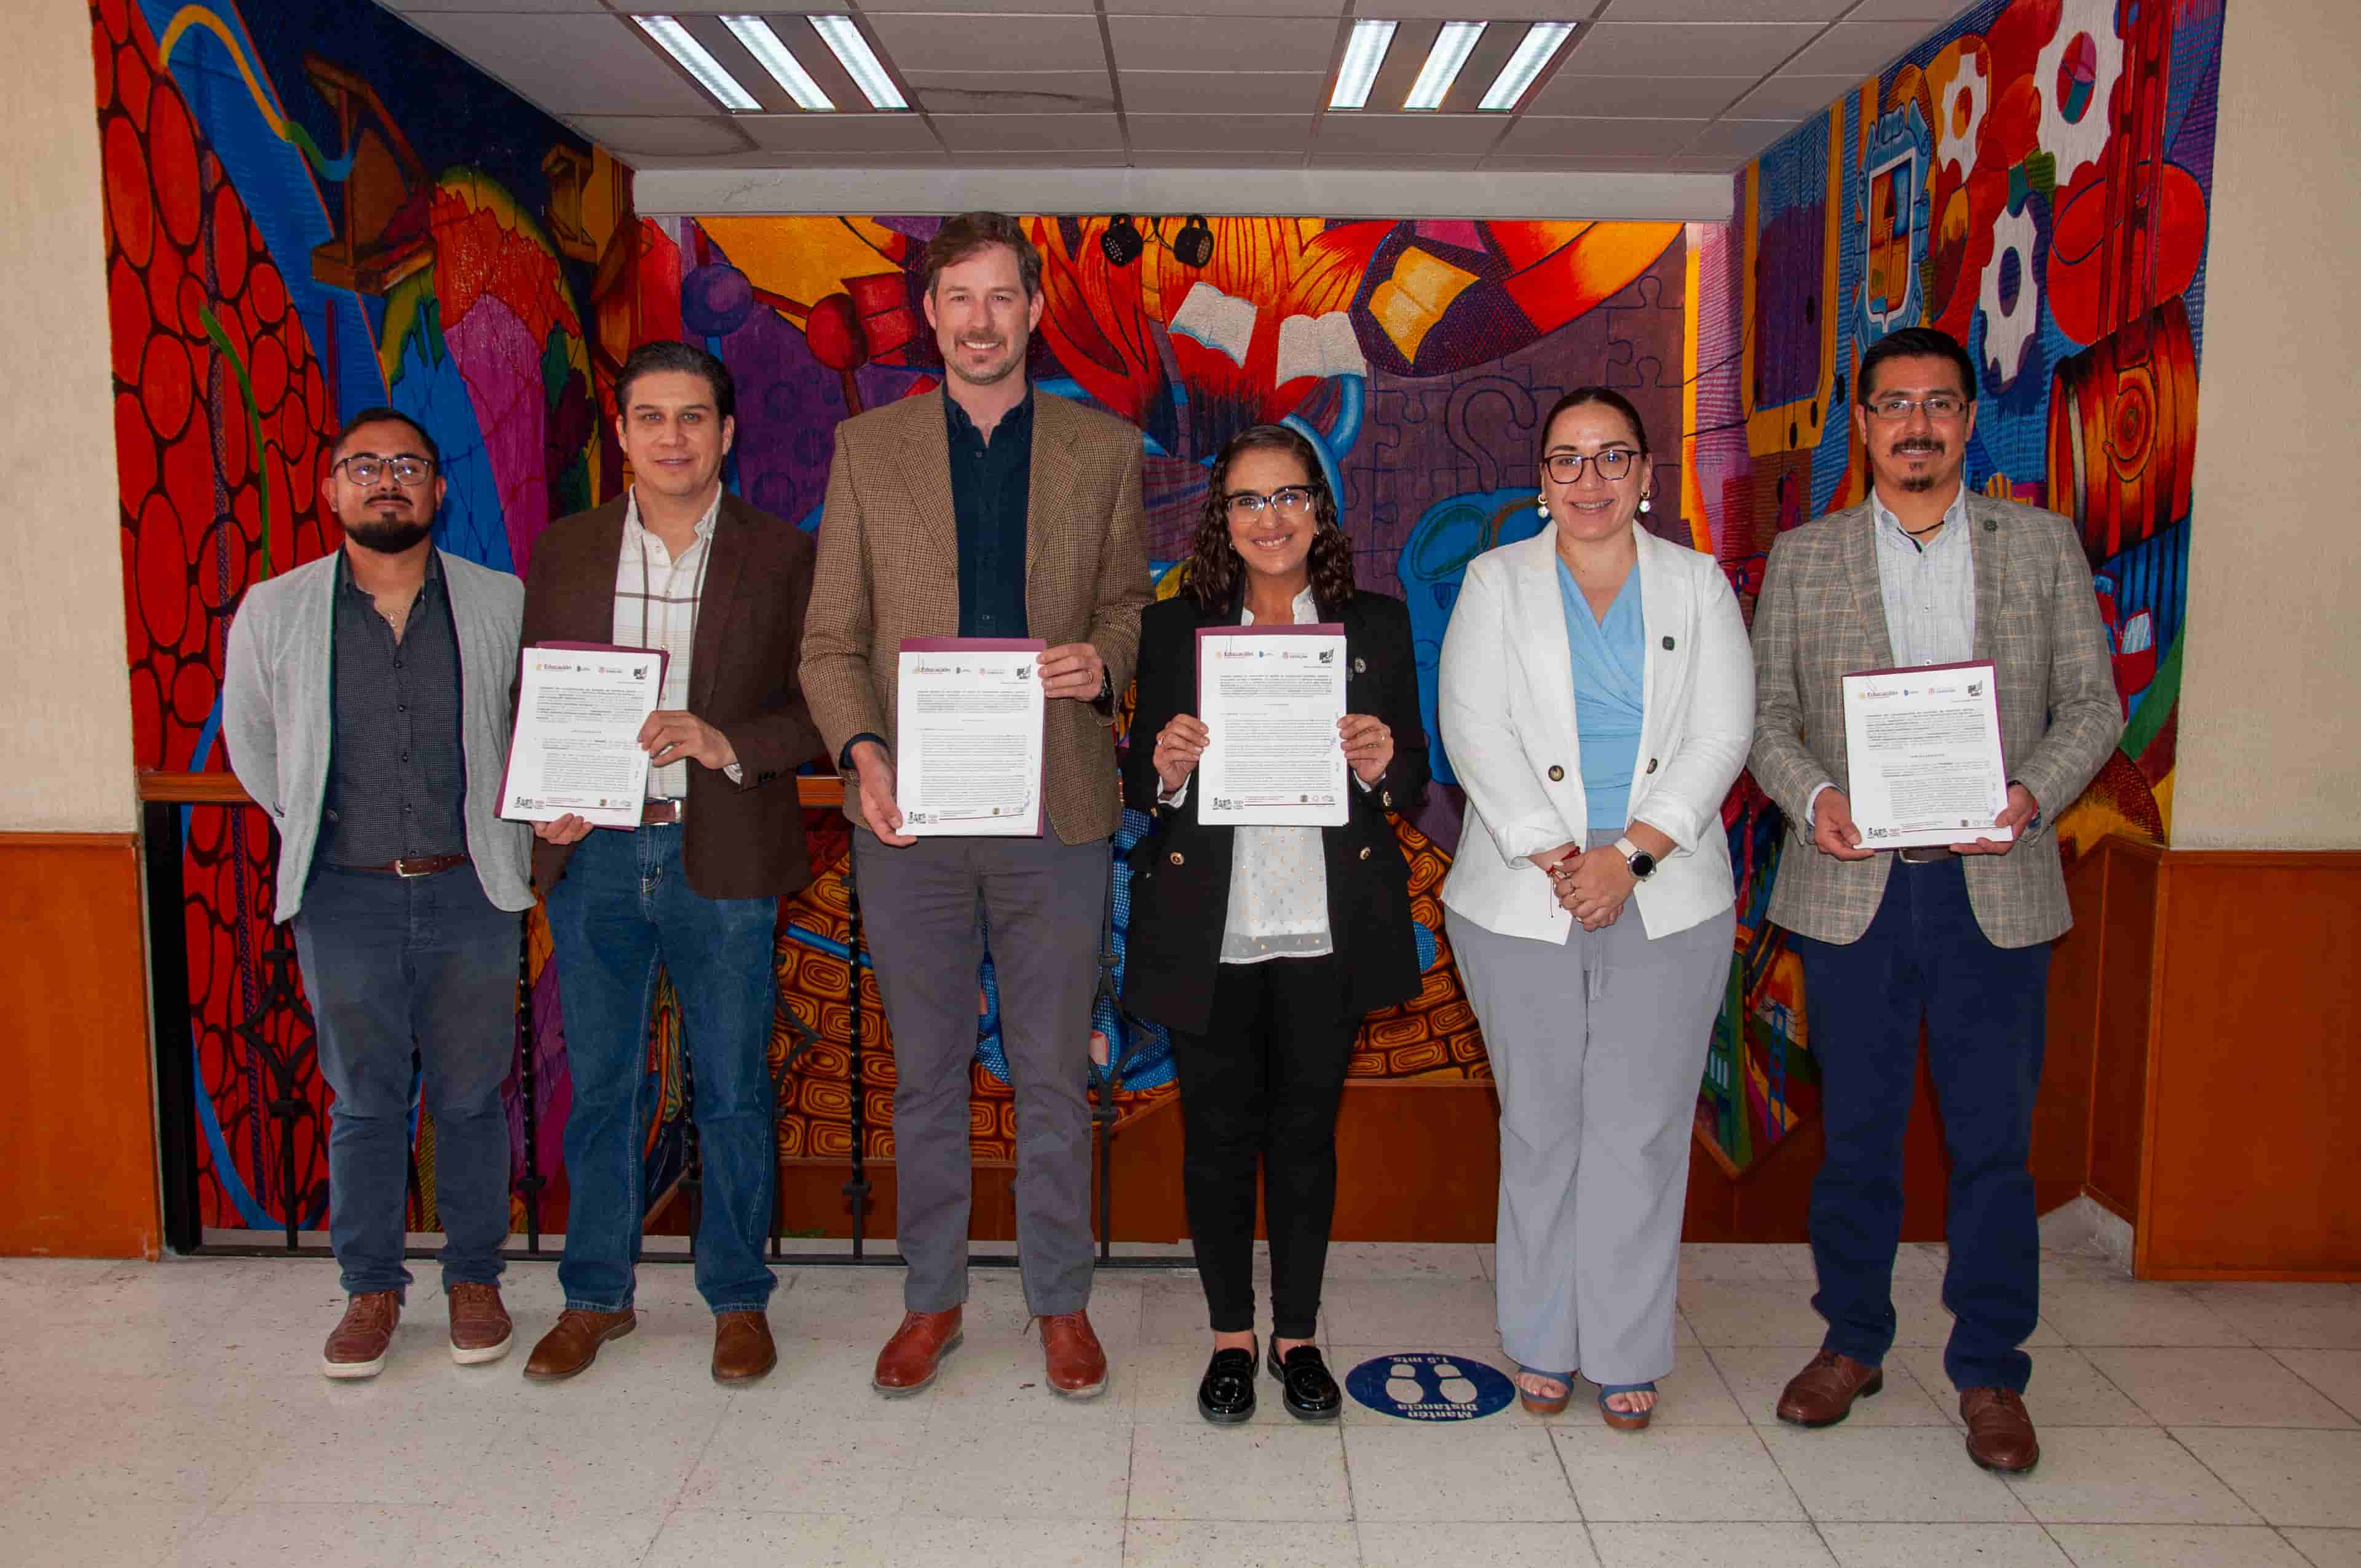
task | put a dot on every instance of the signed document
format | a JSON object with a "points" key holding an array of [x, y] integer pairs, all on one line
{"points": [[1922, 748], [577, 746], [1270, 698], [968, 731]]}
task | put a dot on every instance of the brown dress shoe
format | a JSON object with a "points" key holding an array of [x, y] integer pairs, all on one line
{"points": [[480, 1330], [357, 1345], [1822, 1393], [1077, 1367], [915, 1353], [2000, 1433], [573, 1343], [742, 1348]]}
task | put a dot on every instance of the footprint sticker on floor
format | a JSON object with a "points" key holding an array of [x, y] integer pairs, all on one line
{"points": [[1429, 1386]]}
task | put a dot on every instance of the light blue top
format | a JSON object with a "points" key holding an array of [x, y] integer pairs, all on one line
{"points": [[1608, 698]]}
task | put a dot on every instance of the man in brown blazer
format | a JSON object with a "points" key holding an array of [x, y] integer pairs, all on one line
{"points": [[986, 509], [1927, 572], [676, 563]]}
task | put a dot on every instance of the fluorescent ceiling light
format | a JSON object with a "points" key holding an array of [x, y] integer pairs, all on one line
{"points": [[776, 58], [1452, 45], [860, 62], [1363, 55], [674, 39], [1541, 42]]}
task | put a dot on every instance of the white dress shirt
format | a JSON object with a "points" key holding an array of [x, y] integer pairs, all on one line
{"points": [[656, 598]]}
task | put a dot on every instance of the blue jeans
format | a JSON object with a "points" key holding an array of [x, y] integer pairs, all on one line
{"points": [[411, 980], [622, 907], [1985, 1010]]}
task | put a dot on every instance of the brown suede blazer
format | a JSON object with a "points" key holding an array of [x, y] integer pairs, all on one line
{"points": [[889, 569], [741, 840]]}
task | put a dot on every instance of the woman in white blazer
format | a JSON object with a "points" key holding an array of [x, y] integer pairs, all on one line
{"points": [[1597, 701]]}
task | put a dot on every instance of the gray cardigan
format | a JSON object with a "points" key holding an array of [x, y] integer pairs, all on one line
{"points": [[276, 715]]}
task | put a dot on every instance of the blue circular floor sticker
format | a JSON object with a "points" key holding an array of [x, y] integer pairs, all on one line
{"points": [[1426, 1385]]}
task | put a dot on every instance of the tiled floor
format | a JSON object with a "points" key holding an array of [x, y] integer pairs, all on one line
{"points": [[174, 1414]]}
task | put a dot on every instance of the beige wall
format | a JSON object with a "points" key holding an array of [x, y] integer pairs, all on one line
{"points": [[65, 706], [2270, 707]]}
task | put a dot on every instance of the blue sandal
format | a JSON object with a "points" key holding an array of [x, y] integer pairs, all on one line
{"points": [[1625, 1420], [1537, 1405]]}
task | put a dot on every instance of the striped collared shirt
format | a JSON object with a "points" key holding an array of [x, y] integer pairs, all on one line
{"points": [[1929, 590], [656, 596]]}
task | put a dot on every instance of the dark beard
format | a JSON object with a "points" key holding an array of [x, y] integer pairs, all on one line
{"points": [[1919, 484], [387, 538]]}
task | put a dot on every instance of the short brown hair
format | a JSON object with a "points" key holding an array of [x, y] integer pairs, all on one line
{"points": [[963, 236]]}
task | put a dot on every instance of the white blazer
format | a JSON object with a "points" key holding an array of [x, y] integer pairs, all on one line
{"points": [[1508, 720]]}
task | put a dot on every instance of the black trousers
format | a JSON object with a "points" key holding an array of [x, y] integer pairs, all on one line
{"points": [[1259, 1088]]}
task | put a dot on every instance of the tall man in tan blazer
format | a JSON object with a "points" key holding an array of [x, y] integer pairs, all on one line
{"points": [[677, 562], [1927, 572], [986, 509]]}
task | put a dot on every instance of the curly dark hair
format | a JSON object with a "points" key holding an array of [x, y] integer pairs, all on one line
{"points": [[1211, 571]]}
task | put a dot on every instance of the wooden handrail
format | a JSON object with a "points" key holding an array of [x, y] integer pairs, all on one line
{"points": [[223, 789]]}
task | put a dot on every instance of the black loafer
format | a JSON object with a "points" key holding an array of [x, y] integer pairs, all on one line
{"points": [[1227, 1394], [1305, 1387]]}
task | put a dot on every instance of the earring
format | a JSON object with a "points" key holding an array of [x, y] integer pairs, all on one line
{"points": [[1643, 503], [1541, 507]]}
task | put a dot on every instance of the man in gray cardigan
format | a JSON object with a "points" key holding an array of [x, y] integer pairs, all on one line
{"points": [[365, 707]]}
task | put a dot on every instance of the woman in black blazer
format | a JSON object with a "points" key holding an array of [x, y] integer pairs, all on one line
{"points": [[1261, 948]]}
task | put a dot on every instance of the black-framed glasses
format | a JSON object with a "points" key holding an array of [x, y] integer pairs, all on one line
{"points": [[1293, 501], [1565, 467], [1941, 407], [366, 469]]}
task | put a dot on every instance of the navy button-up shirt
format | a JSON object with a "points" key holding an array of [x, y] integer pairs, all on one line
{"points": [[992, 485], [397, 780]]}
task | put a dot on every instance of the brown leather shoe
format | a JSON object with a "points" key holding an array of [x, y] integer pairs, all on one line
{"points": [[480, 1330], [356, 1345], [1822, 1393], [743, 1347], [915, 1353], [573, 1343], [1076, 1366], [2000, 1433]]}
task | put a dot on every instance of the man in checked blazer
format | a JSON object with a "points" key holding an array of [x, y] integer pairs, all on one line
{"points": [[985, 509], [1927, 572]]}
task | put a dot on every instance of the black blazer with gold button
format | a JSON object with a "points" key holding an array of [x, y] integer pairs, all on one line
{"points": [[1180, 870]]}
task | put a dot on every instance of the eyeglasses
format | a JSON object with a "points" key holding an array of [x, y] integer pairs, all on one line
{"points": [[366, 469], [1942, 407], [1293, 501], [1565, 467]]}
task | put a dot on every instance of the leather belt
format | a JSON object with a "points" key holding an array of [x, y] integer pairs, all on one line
{"points": [[1928, 854], [415, 865], [656, 812]]}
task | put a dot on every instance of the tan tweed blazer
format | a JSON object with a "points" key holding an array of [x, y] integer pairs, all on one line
{"points": [[889, 569], [1822, 616]]}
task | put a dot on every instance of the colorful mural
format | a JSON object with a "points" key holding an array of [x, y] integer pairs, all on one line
{"points": [[2034, 179]]}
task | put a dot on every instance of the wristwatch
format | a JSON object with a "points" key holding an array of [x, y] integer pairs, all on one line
{"points": [[1642, 864]]}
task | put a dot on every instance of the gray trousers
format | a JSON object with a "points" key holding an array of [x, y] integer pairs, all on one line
{"points": [[1598, 1078], [922, 908]]}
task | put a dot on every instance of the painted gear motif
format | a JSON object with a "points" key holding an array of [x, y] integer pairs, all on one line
{"points": [[1968, 83], [2008, 332], [2077, 144]]}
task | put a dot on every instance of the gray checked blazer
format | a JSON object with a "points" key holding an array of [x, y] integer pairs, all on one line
{"points": [[1822, 616]]}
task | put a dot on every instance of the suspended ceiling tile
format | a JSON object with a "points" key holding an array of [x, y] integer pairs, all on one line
{"points": [[1170, 137], [543, 6], [712, 7], [1062, 157], [1791, 97], [1701, 49], [1239, 7], [1012, 92], [935, 42], [1516, 13], [1531, 163], [639, 136], [801, 133], [1736, 140], [1408, 136], [1222, 92], [568, 64], [1728, 10], [1858, 49], [874, 7], [1555, 135], [1027, 133], [1701, 97], [1194, 43], [1378, 161], [1922, 11]]}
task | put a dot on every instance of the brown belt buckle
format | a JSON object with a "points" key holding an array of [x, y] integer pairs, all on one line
{"points": [[1927, 854], [426, 865], [658, 813]]}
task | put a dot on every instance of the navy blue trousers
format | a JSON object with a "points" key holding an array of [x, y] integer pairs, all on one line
{"points": [[1924, 957]]}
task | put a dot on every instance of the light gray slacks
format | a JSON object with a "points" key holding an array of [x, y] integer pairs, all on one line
{"points": [[922, 909], [1597, 1095]]}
